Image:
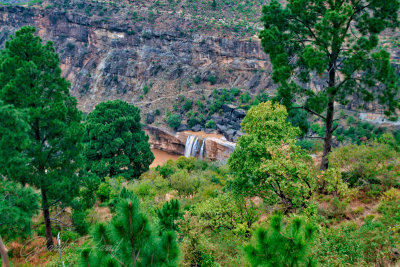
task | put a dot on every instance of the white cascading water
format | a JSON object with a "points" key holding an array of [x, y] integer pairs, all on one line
{"points": [[192, 147], [195, 147], [201, 155], [189, 145]]}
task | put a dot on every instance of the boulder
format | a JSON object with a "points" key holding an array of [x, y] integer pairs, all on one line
{"points": [[239, 113], [181, 128], [228, 108], [229, 134], [221, 128], [217, 119], [150, 118], [196, 128], [236, 136], [236, 126]]}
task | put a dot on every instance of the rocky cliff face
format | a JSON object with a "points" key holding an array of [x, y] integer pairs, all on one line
{"points": [[117, 58]]}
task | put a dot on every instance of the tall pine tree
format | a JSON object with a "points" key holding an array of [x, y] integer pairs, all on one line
{"points": [[30, 79], [337, 41]]}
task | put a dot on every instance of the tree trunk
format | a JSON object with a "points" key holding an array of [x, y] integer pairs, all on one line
{"points": [[328, 135], [47, 222], [330, 110], [4, 254]]}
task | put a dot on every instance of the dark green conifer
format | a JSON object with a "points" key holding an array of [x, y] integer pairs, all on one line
{"points": [[30, 80], [115, 143], [282, 246], [168, 215], [130, 240]]}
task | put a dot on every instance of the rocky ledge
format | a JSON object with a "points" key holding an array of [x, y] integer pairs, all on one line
{"points": [[216, 147]]}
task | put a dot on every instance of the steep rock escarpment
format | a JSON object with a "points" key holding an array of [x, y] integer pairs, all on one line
{"points": [[117, 58]]}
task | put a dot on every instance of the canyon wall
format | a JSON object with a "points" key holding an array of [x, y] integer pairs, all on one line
{"points": [[116, 58]]}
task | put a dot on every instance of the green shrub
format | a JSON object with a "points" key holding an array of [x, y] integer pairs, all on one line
{"points": [[181, 98], [305, 144], [200, 104], [210, 124], [79, 220], [346, 244], [245, 98], [103, 192], [188, 105], [350, 120], [212, 79], [235, 91], [389, 207], [365, 164], [185, 184], [338, 247], [192, 121], [218, 213], [68, 236], [186, 163], [166, 170], [197, 79], [168, 215], [337, 209], [146, 89], [174, 121]]}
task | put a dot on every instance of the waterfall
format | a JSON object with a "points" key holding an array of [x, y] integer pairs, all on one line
{"points": [[189, 145], [201, 154], [193, 148]]}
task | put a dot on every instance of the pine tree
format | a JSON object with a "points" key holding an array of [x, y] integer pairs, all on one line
{"points": [[130, 240], [30, 80], [278, 246], [14, 140], [168, 215], [115, 143], [338, 41], [17, 206], [214, 4]]}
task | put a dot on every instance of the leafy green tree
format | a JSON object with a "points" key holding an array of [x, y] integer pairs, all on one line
{"points": [[267, 163], [338, 40], [17, 205], [279, 246], [168, 214], [129, 240], [115, 143], [30, 79]]}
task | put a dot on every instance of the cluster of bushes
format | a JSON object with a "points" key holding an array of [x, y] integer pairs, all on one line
{"points": [[355, 132], [201, 111]]}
